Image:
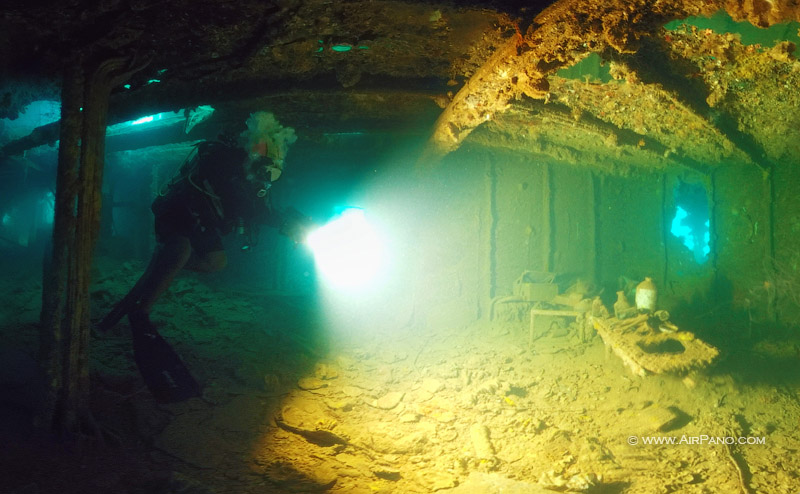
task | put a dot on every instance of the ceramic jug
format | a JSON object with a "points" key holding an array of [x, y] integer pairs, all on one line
{"points": [[621, 306], [646, 294]]}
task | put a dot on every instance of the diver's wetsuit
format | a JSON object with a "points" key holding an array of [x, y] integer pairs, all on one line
{"points": [[210, 200], [213, 195]]}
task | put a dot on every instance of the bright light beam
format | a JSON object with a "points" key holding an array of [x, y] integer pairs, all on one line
{"points": [[347, 250]]}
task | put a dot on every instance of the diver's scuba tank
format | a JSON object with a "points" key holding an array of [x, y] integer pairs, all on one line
{"points": [[244, 233]]}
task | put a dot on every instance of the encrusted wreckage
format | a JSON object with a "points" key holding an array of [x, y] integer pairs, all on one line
{"points": [[691, 79], [646, 351]]}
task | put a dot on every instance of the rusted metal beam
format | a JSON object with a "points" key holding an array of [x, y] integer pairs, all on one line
{"points": [[562, 35]]}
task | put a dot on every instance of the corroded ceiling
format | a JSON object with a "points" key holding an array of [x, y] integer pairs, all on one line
{"points": [[484, 73], [694, 98]]}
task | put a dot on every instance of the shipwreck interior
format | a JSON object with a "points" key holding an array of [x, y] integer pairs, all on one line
{"points": [[584, 264]]}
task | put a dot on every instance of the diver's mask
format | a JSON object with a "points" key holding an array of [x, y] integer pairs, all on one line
{"points": [[263, 172]]}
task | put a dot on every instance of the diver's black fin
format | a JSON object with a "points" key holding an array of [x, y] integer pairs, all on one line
{"points": [[162, 370], [128, 303], [123, 307]]}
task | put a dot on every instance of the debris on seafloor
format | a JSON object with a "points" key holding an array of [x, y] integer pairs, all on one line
{"points": [[387, 474], [547, 312], [484, 450], [495, 482], [319, 437], [576, 483], [388, 401], [662, 419], [311, 384], [535, 287], [598, 309], [644, 350], [288, 479]]}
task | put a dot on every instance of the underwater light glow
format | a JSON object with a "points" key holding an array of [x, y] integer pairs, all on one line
{"points": [[347, 250], [188, 118], [35, 114], [6, 219], [48, 208], [700, 248], [142, 120], [682, 231]]}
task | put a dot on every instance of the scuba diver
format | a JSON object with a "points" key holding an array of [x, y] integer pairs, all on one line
{"points": [[219, 189]]}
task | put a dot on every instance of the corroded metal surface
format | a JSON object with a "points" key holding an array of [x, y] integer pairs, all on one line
{"points": [[566, 32], [645, 351]]}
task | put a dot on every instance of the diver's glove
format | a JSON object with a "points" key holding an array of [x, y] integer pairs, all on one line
{"points": [[295, 225]]}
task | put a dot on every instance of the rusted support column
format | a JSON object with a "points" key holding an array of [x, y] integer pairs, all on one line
{"points": [[96, 94], [55, 302], [65, 318]]}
